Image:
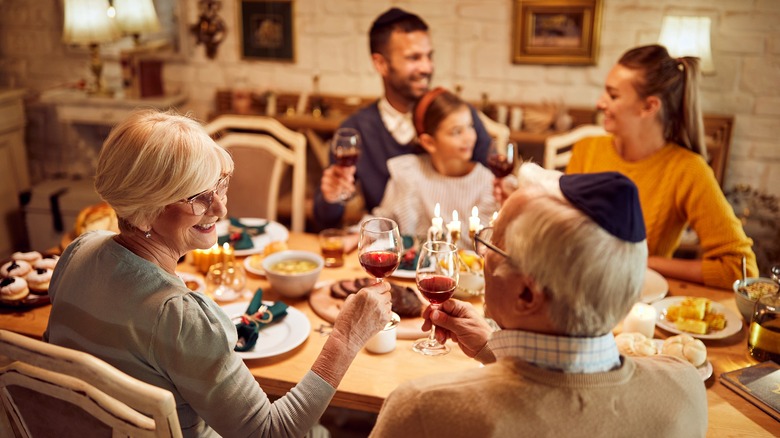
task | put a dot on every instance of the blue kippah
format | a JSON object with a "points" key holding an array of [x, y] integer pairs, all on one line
{"points": [[610, 199], [390, 16]]}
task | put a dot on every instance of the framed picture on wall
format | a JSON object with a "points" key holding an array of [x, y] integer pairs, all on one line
{"points": [[267, 30], [556, 31]]}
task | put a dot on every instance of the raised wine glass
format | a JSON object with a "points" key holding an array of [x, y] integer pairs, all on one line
{"points": [[437, 277], [502, 158], [379, 251], [345, 147]]}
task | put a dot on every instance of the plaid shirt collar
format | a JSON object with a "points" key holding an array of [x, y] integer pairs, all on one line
{"points": [[561, 353]]}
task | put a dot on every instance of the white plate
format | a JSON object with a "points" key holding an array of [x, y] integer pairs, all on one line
{"points": [[654, 288], [186, 276], [733, 320], [278, 338], [273, 232], [403, 273], [705, 370], [249, 268]]}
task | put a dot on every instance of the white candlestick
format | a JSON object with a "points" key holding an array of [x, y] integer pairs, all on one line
{"points": [[641, 319], [454, 225], [474, 224], [437, 222]]}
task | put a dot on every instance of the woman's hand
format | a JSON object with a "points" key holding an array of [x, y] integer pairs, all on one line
{"points": [[363, 315], [335, 181], [459, 321], [503, 187]]}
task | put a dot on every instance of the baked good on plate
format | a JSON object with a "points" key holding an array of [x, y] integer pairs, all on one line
{"points": [[686, 347], [38, 280], [29, 257], [13, 289], [96, 217], [47, 262], [15, 268]]}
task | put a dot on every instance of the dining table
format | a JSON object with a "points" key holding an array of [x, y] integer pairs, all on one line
{"points": [[372, 377]]}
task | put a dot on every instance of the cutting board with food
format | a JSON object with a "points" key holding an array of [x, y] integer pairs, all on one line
{"points": [[327, 301]]}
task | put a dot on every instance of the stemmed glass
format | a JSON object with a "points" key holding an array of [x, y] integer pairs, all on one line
{"points": [[502, 158], [345, 147], [437, 277], [379, 251]]}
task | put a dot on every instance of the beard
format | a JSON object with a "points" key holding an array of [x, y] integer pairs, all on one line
{"points": [[407, 87]]}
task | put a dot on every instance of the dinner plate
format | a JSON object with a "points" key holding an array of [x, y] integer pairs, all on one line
{"points": [[705, 370], [253, 264], [277, 338], [273, 232], [654, 288], [197, 279], [404, 273], [733, 320]]}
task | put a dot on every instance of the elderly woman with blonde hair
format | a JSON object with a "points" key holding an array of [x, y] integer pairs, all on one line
{"points": [[117, 296]]}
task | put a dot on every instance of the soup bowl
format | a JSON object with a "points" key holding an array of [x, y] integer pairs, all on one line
{"points": [[292, 274], [747, 291]]}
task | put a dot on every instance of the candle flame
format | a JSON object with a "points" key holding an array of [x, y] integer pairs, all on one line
{"points": [[474, 211], [454, 215], [437, 210], [225, 247]]}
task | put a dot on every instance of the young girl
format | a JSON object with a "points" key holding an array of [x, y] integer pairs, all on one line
{"points": [[445, 175]]}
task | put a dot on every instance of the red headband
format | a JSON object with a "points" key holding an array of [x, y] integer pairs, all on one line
{"points": [[422, 107]]}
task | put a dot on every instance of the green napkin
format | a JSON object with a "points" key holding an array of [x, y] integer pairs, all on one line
{"points": [[241, 239], [410, 254], [257, 317]]}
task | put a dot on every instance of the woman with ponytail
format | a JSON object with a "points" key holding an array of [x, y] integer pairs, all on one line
{"points": [[651, 109]]}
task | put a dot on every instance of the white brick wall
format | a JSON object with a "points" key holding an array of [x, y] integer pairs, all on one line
{"points": [[472, 40]]}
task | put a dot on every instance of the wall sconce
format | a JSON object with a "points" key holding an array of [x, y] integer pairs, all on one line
{"points": [[688, 36], [135, 17], [87, 22], [210, 29]]}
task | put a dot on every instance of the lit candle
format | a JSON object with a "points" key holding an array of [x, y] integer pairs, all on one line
{"points": [[437, 222], [474, 224], [454, 227], [641, 319], [227, 254], [493, 219]]}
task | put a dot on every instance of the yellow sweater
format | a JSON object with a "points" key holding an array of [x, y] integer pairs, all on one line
{"points": [[677, 188]]}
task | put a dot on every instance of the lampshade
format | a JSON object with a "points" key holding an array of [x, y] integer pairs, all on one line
{"points": [[136, 16], [86, 22], [688, 36]]}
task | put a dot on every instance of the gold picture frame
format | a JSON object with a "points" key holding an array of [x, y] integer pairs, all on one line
{"points": [[564, 32], [267, 30]]}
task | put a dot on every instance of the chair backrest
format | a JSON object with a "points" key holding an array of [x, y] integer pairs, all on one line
{"points": [[498, 131], [262, 149], [557, 148], [48, 390]]}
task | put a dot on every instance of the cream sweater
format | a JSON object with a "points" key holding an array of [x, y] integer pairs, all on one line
{"points": [[645, 397], [676, 189]]}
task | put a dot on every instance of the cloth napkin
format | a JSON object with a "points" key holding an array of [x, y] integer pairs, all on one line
{"points": [[257, 317], [241, 239], [410, 255]]}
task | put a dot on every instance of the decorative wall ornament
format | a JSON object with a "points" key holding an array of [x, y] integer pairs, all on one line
{"points": [[210, 29]]}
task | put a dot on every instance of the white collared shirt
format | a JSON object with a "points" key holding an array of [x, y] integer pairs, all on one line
{"points": [[400, 125]]}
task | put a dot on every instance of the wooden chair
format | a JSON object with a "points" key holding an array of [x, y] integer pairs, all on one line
{"points": [[262, 149], [498, 131], [557, 148], [48, 390]]}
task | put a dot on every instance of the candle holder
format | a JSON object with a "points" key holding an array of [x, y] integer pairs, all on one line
{"points": [[225, 281]]}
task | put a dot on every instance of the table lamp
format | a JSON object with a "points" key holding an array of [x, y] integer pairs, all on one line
{"points": [[688, 36], [135, 17], [87, 22]]}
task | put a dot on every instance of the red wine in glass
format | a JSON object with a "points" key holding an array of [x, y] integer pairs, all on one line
{"points": [[437, 288], [346, 158], [500, 165], [380, 264]]}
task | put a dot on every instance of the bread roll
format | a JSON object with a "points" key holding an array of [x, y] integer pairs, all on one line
{"points": [[687, 348]]}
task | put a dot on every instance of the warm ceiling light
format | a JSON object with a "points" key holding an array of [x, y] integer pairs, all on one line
{"points": [[688, 36]]}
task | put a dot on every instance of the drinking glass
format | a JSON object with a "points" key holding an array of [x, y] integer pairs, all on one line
{"points": [[502, 158], [379, 251], [764, 335], [226, 280], [437, 277], [345, 147]]}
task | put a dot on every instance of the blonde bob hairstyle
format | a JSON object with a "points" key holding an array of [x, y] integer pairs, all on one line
{"points": [[153, 159], [590, 277]]}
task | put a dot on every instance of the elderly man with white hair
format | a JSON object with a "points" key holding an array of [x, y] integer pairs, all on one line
{"points": [[563, 266]]}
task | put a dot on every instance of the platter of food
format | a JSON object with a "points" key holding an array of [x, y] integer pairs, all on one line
{"points": [[683, 347], [193, 282], [273, 232], [24, 280], [701, 318]]}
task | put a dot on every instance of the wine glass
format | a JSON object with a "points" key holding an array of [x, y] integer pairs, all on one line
{"points": [[437, 277], [379, 251], [345, 147], [502, 158]]}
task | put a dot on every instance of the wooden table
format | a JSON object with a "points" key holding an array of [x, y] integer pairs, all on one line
{"points": [[372, 377]]}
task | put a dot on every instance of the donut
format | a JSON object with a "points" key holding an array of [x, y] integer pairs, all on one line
{"points": [[15, 268], [13, 288], [47, 262], [38, 280], [29, 257]]}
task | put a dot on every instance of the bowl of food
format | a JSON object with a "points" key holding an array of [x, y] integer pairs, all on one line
{"points": [[292, 274], [747, 291]]}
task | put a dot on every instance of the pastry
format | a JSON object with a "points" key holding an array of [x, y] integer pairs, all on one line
{"points": [[47, 262], [635, 344], [29, 257], [687, 348], [13, 289], [15, 268], [38, 280], [96, 217]]}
